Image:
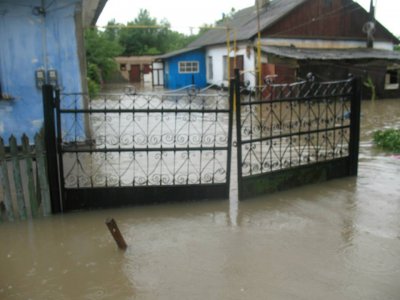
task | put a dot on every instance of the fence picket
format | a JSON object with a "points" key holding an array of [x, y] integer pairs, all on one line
{"points": [[5, 182], [29, 171], [17, 178], [41, 165]]}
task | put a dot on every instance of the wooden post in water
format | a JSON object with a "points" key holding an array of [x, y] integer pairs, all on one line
{"points": [[114, 230], [43, 183]]}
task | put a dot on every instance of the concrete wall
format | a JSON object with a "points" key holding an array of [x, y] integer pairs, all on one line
{"points": [[218, 53], [30, 41]]}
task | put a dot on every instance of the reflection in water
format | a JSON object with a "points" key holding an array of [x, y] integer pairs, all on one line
{"points": [[336, 240]]}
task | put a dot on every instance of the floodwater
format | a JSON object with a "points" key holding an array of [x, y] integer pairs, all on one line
{"points": [[335, 240]]}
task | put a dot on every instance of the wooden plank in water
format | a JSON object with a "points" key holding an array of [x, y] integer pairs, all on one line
{"points": [[116, 233], [17, 178], [5, 182], [29, 172]]}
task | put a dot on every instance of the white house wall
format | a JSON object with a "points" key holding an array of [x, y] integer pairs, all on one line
{"points": [[218, 53], [324, 44]]}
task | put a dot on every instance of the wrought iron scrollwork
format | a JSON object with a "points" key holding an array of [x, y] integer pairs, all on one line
{"points": [[143, 139], [289, 125]]}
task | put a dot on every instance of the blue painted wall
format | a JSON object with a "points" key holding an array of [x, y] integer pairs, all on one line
{"points": [[175, 80], [30, 41]]}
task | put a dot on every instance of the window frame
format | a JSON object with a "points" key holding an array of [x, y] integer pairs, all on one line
{"points": [[390, 84], [188, 67]]}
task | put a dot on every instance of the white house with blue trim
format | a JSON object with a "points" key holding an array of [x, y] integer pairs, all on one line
{"points": [[41, 41]]}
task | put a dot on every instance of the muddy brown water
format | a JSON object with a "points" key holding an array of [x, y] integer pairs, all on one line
{"points": [[336, 240]]}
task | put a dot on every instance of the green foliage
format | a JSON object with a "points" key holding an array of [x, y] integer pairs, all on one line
{"points": [[388, 139], [226, 18], [93, 87], [146, 35], [370, 84], [100, 51], [94, 72]]}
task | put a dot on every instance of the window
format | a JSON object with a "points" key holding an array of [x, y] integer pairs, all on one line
{"points": [[188, 67], [210, 68], [122, 67], [392, 79]]}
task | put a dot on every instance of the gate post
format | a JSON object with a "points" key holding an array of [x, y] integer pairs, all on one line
{"points": [[51, 147], [354, 143], [235, 89]]}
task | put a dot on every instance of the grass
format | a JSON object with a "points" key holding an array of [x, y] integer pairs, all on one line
{"points": [[388, 139]]}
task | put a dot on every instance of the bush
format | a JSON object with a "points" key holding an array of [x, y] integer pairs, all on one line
{"points": [[93, 88], [388, 139]]}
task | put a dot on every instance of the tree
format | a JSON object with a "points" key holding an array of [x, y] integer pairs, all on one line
{"points": [[226, 18], [100, 53], [144, 39], [147, 36]]}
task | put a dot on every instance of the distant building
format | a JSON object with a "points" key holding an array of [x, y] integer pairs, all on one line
{"points": [[330, 38], [41, 41], [136, 69], [184, 67]]}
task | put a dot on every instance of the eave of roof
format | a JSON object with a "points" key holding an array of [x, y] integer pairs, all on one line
{"points": [[178, 52], [331, 54], [91, 10]]}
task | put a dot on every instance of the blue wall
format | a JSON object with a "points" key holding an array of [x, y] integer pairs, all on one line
{"points": [[174, 80], [30, 41]]}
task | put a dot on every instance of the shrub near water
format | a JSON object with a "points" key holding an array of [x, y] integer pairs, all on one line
{"points": [[388, 139]]}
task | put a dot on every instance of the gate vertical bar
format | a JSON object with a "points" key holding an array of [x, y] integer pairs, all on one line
{"points": [[59, 148], [355, 110], [230, 133], [51, 147], [236, 89]]}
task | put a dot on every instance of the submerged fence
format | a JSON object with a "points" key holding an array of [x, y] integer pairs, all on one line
{"points": [[24, 188]]}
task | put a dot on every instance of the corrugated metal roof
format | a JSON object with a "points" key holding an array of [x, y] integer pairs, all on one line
{"points": [[174, 53], [244, 22], [331, 54]]}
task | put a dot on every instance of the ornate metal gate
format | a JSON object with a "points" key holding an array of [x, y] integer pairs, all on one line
{"points": [[143, 148], [298, 133], [146, 148]]}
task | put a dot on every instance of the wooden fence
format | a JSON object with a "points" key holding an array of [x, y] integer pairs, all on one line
{"points": [[24, 183]]}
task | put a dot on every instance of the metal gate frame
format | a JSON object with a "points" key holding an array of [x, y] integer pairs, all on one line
{"points": [[315, 126], [200, 150], [291, 153]]}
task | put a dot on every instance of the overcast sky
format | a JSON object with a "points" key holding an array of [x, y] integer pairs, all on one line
{"points": [[183, 14]]}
